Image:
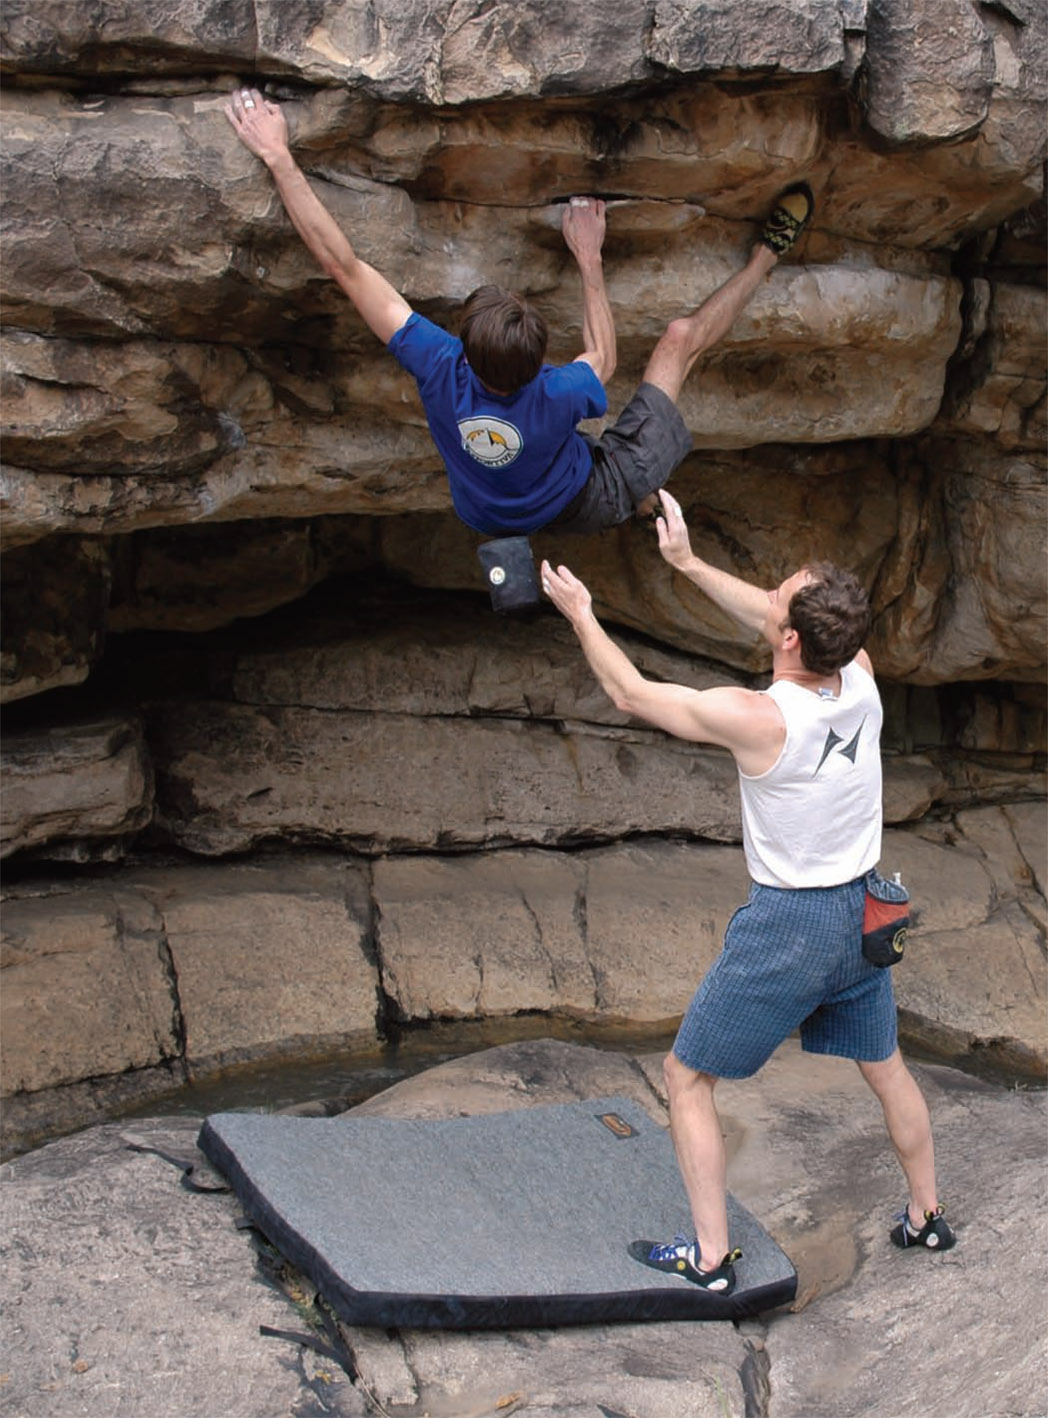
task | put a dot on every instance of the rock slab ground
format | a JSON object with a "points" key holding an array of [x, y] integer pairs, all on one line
{"points": [[128, 1294]]}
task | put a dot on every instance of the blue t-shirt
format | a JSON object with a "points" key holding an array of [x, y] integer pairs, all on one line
{"points": [[513, 461]]}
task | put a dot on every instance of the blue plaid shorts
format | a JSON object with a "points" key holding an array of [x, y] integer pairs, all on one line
{"points": [[791, 959]]}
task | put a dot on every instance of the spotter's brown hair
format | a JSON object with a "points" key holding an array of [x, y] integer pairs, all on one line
{"points": [[831, 614]]}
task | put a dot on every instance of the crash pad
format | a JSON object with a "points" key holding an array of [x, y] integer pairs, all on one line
{"points": [[499, 1220]]}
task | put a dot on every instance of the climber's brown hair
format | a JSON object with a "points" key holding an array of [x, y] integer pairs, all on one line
{"points": [[504, 338]]}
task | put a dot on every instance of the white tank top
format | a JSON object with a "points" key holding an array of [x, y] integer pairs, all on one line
{"points": [[814, 817]]}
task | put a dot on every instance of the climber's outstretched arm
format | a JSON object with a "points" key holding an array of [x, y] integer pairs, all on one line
{"points": [[262, 128], [583, 228]]}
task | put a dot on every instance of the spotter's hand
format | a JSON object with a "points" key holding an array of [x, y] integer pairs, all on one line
{"points": [[674, 542], [259, 124], [566, 592]]}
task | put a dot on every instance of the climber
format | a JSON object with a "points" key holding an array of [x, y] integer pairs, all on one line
{"points": [[808, 756], [504, 422]]}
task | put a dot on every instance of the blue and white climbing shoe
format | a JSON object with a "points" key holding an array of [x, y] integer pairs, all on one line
{"points": [[934, 1235], [681, 1257]]}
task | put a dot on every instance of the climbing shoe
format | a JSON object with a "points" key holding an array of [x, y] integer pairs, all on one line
{"points": [[648, 521], [935, 1235], [791, 214], [680, 1257]]}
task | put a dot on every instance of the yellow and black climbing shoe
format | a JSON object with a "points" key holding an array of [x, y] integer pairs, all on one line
{"points": [[681, 1257], [934, 1235], [791, 214]]}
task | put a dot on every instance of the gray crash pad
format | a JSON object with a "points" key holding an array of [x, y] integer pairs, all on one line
{"points": [[488, 1222]]}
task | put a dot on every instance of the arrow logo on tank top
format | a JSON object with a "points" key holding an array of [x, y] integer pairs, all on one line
{"points": [[849, 750]]}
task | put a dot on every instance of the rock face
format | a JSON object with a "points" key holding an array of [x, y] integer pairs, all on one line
{"points": [[92, 781], [119, 989], [267, 752]]}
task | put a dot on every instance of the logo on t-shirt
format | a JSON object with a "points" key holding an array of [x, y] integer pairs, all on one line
{"points": [[849, 750], [491, 441]]}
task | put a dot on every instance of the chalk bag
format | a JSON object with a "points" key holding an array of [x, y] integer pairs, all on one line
{"points": [[886, 920], [509, 568]]}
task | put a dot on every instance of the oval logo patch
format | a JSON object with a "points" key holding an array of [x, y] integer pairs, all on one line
{"points": [[491, 441]]}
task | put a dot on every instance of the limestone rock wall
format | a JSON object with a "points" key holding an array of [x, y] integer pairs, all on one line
{"points": [[241, 620]]}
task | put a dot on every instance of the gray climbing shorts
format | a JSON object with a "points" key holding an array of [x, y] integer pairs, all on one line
{"points": [[791, 960], [631, 460]]}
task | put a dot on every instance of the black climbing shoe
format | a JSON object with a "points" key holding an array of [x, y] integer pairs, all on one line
{"points": [[791, 214], [680, 1257], [934, 1235], [648, 520]]}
